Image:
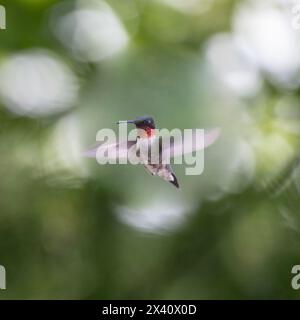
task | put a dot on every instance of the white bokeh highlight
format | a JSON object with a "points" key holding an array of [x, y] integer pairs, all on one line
{"points": [[92, 31], [231, 66], [37, 83], [265, 29], [62, 161], [157, 216]]}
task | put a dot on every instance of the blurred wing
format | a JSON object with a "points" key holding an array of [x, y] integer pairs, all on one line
{"points": [[119, 149], [198, 140]]}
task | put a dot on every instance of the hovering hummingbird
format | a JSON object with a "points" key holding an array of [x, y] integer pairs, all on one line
{"points": [[146, 137]]}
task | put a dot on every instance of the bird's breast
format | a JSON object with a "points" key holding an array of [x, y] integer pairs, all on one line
{"points": [[147, 149]]}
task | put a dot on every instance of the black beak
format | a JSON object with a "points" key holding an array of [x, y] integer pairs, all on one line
{"points": [[125, 121]]}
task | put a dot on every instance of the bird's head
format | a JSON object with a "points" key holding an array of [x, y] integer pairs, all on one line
{"points": [[145, 125]]}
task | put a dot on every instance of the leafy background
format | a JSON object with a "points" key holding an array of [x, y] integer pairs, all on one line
{"points": [[71, 229]]}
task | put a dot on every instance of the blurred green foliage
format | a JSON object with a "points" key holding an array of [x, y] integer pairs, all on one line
{"points": [[60, 234]]}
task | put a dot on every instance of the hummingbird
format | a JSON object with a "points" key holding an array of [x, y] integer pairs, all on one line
{"points": [[145, 138]]}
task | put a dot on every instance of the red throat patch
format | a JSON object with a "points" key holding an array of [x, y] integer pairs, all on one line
{"points": [[150, 132]]}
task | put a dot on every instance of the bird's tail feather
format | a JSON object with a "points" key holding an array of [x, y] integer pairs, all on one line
{"points": [[174, 181]]}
